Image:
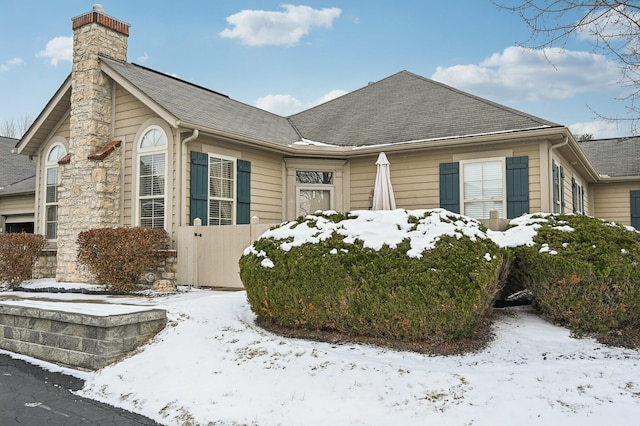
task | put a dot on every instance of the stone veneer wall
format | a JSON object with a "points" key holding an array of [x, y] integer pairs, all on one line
{"points": [[89, 190]]}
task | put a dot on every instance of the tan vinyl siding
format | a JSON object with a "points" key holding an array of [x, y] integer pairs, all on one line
{"points": [[266, 177], [17, 204], [130, 115], [416, 176], [612, 201], [266, 186]]}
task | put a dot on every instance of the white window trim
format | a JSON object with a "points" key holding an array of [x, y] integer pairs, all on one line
{"points": [[150, 151], [316, 187], [341, 183], [234, 201], [49, 165], [463, 200]]}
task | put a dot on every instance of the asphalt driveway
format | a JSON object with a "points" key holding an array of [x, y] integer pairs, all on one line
{"points": [[30, 395]]}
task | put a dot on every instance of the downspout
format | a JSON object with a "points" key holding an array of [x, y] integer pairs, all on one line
{"points": [[193, 263], [183, 171], [550, 168]]}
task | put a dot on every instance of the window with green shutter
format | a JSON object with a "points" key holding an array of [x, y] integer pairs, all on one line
{"points": [[558, 187], [220, 190], [483, 186]]}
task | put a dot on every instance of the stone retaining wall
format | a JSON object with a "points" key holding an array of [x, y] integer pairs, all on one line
{"points": [[76, 339]]}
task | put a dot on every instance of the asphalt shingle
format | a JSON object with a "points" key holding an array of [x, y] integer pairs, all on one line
{"points": [[406, 107], [196, 105], [17, 173], [614, 157]]}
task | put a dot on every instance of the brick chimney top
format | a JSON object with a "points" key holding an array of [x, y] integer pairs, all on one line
{"points": [[98, 16]]}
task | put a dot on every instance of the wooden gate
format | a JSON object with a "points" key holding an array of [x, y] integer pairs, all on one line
{"points": [[208, 255]]}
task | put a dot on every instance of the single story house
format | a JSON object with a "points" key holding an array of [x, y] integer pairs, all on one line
{"points": [[17, 189], [123, 145]]}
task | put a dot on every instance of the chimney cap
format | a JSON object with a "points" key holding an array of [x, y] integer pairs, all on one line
{"points": [[98, 8]]}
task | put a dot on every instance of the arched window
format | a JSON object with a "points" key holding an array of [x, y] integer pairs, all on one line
{"points": [[52, 180], [152, 168]]}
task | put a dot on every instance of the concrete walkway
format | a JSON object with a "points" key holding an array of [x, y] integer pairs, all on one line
{"points": [[30, 395]]}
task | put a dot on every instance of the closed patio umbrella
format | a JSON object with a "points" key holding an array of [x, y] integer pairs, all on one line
{"points": [[383, 198]]}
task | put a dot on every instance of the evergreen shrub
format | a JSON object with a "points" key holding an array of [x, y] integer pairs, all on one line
{"points": [[334, 282], [119, 256], [18, 254], [583, 273]]}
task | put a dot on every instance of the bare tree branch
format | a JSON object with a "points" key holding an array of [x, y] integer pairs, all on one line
{"points": [[612, 27], [15, 128]]}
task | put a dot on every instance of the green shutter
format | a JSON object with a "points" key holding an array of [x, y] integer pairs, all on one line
{"points": [[199, 201], [635, 209], [562, 190], [450, 186], [243, 205], [555, 184], [574, 194], [517, 186]]}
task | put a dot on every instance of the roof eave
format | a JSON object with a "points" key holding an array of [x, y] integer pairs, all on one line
{"points": [[140, 95], [33, 139]]}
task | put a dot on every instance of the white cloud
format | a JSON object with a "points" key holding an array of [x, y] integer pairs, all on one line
{"points": [[279, 104], [143, 58], [519, 74], [617, 22], [262, 28], [336, 93], [286, 105], [58, 49], [599, 129], [11, 63]]}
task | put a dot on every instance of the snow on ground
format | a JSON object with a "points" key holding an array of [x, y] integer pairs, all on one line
{"points": [[212, 364]]}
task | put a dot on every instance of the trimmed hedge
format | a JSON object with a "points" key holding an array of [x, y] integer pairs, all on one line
{"points": [[583, 273], [337, 283], [18, 254], [119, 256]]}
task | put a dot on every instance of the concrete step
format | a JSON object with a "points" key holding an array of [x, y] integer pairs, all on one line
{"points": [[78, 335]]}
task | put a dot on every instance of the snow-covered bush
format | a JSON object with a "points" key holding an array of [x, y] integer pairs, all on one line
{"points": [[412, 275], [583, 272]]}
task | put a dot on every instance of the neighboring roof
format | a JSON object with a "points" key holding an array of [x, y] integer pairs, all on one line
{"points": [[614, 157], [406, 107], [193, 105], [17, 172]]}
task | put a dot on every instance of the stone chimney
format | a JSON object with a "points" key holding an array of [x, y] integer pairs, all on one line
{"points": [[89, 191]]}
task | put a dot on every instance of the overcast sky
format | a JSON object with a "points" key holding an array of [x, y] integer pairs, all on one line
{"points": [[289, 57]]}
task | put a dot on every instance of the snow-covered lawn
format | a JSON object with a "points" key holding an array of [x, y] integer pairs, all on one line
{"points": [[211, 364]]}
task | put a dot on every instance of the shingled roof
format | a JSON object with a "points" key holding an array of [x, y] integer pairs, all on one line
{"points": [[615, 157], [17, 172], [402, 108], [406, 107], [197, 106]]}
